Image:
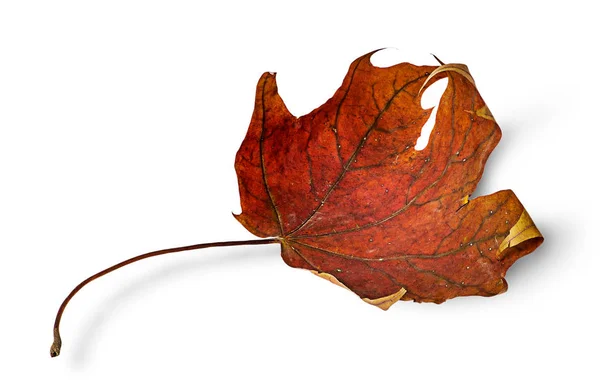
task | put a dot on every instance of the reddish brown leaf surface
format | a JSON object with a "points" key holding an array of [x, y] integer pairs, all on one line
{"points": [[352, 200]]}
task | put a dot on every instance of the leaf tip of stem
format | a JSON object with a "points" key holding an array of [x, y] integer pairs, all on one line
{"points": [[438, 59]]}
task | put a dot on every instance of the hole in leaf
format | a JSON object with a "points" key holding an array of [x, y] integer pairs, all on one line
{"points": [[391, 56], [388, 57], [430, 98]]}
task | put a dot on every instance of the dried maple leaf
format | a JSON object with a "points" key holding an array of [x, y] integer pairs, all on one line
{"points": [[348, 197]]}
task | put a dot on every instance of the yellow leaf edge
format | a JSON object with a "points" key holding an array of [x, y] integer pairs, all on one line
{"points": [[383, 303], [522, 231]]}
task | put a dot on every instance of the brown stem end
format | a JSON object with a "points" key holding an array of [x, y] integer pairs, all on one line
{"points": [[55, 348]]}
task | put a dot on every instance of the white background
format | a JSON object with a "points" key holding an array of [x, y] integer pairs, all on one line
{"points": [[119, 125]]}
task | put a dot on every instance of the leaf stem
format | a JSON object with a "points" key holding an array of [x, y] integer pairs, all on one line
{"points": [[56, 345]]}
